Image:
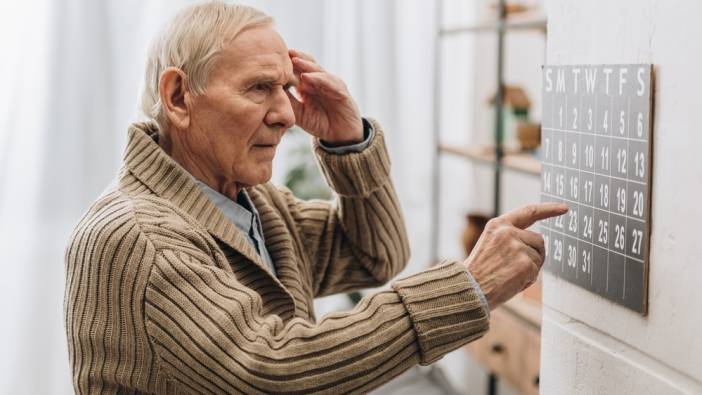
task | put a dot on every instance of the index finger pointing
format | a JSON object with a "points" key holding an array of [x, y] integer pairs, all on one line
{"points": [[526, 216]]}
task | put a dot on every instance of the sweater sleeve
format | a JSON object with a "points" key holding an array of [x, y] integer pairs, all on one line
{"points": [[359, 240], [210, 335]]}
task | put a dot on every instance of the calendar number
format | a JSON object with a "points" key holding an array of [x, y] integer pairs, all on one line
{"points": [[637, 235], [586, 267], [547, 181], [638, 203], [621, 161], [560, 184], [558, 223], [547, 246], [602, 237], [573, 221], [572, 256], [604, 195], [621, 200], [605, 122], [587, 226], [619, 237], [622, 122], [560, 151], [604, 154], [574, 187], [587, 189], [639, 164], [589, 156], [558, 250]]}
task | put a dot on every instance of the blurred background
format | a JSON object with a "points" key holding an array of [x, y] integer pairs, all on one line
{"points": [[70, 79]]}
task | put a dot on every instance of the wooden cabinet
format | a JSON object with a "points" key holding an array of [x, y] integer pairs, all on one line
{"points": [[511, 348]]}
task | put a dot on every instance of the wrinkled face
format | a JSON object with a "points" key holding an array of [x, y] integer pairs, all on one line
{"points": [[237, 123]]}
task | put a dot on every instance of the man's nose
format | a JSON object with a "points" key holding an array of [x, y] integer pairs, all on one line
{"points": [[281, 112]]}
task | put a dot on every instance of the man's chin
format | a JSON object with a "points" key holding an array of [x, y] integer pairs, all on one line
{"points": [[262, 175]]}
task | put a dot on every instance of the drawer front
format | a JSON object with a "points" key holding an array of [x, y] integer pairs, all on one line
{"points": [[511, 349]]}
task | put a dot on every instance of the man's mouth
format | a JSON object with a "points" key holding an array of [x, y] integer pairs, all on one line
{"points": [[272, 145]]}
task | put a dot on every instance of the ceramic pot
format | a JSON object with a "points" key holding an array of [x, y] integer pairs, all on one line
{"points": [[475, 224], [529, 135]]}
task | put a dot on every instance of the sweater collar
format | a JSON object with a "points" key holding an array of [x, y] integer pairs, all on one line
{"points": [[168, 180]]}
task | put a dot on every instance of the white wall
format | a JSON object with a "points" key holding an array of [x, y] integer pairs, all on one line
{"points": [[591, 345]]}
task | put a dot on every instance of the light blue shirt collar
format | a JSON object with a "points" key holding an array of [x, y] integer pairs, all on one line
{"points": [[244, 216]]}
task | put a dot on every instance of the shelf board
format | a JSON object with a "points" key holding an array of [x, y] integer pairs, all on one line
{"points": [[517, 161], [519, 22]]}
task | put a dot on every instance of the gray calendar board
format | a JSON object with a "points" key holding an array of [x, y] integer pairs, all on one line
{"points": [[596, 157]]}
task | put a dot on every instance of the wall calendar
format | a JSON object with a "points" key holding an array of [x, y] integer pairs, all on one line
{"points": [[596, 156]]}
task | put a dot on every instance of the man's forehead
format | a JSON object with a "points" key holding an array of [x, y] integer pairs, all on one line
{"points": [[259, 50], [275, 68], [269, 62]]}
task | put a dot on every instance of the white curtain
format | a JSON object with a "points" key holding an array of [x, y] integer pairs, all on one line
{"points": [[70, 76]]}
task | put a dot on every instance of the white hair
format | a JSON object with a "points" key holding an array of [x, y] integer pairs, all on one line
{"points": [[190, 41]]}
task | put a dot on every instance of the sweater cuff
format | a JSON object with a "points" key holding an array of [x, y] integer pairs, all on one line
{"points": [[357, 174], [445, 309], [368, 134], [476, 286]]}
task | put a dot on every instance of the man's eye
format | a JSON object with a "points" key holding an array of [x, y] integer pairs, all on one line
{"points": [[262, 87]]}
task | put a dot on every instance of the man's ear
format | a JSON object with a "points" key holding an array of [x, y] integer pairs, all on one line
{"points": [[173, 90]]}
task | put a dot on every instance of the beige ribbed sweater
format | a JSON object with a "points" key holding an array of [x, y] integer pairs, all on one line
{"points": [[165, 295]]}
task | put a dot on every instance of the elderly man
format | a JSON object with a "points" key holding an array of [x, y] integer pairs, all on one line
{"points": [[195, 275]]}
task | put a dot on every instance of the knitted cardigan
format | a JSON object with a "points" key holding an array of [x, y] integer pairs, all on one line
{"points": [[164, 295]]}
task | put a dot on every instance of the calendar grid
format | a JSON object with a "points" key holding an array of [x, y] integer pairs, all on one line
{"points": [[594, 245], [613, 177], [614, 137], [595, 153], [641, 220]]}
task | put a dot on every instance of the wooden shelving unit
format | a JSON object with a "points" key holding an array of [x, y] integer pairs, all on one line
{"points": [[497, 155], [517, 161], [527, 21], [511, 349]]}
